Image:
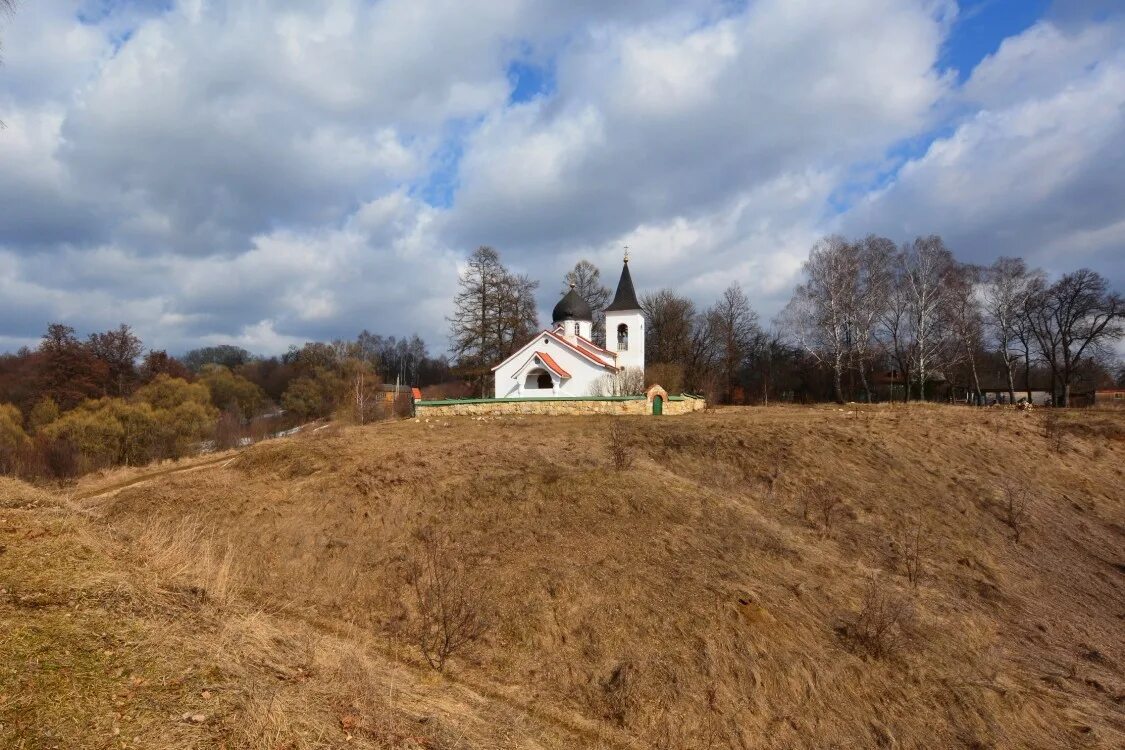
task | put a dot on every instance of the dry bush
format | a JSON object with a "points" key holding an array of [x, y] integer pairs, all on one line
{"points": [[617, 694], [450, 608], [820, 501], [619, 449], [551, 474], [628, 382], [884, 623], [779, 458], [1015, 507], [228, 430], [1053, 429], [910, 547]]}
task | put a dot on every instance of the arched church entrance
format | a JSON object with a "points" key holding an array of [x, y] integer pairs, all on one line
{"points": [[540, 379]]}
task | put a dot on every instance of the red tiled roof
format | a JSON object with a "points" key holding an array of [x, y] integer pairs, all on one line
{"points": [[552, 365], [576, 349], [579, 350], [593, 345]]}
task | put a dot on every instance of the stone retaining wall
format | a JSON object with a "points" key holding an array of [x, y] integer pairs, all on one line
{"points": [[554, 406]]}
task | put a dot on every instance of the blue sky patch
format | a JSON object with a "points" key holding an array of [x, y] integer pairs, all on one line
{"points": [[982, 25], [529, 81]]}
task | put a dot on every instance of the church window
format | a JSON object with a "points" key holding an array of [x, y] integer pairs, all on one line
{"points": [[622, 338], [577, 330], [544, 380]]}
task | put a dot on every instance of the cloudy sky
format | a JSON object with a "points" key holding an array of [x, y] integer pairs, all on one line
{"points": [[265, 173]]}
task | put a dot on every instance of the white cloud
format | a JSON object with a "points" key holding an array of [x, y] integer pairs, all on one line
{"points": [[252, 171], [1038, 172]]}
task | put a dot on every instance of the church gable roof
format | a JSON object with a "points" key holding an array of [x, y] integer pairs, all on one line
{"points": [[589, 345], [626, 296], [588, 356], [549, 362]]}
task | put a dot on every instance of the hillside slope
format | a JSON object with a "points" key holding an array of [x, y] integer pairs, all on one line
{"points": [[697, 599]]}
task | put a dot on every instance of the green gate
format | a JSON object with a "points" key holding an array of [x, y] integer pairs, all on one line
{"points": [[657, 405]]}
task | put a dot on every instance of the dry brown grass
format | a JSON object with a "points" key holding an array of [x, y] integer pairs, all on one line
{"points": [[680, 603]]}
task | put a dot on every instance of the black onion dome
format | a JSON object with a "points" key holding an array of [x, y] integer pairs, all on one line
{"points": [[626, 297], [572, 307]]}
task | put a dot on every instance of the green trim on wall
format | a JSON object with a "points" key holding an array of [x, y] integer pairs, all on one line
{"points": [[459, 401]]}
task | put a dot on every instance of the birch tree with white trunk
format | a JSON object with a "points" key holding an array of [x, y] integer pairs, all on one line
{"points": [[820, 315], [1006, 288], [929, 274]]}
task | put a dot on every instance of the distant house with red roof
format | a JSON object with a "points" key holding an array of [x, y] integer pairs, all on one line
{"points": [[563, 360]]}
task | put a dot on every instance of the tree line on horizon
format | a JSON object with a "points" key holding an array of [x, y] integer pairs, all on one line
{"points": [[866, 312], [71, 405]]}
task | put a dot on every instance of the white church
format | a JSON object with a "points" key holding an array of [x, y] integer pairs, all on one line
{"points": [[564, 361]]}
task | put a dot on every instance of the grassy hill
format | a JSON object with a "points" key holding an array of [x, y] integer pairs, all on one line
{"points": [[757, 578]]}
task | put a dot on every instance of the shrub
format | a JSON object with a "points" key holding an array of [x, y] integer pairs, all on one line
{"points": [[1015, 508], [94, 433], [1053, 430], [819, 500], [628, 382], [12, 435], [232, 391], [228, 430], [450, 615], [166, 392], [884, 622], [59, 458], [909, 548], [619, 449], [312, 397], [43, 413]]}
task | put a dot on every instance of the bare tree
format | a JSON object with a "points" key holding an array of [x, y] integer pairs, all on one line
{"points": [[767, 352], [966, 321], [894, 330], [1006, 289], [819, 316], [732, 326], [450, 613], [929, 271], [876, 260], [669, 323], [119, 349], [361, 380], [1072, 320], [587, 281], [675, 334], [494, 310]]}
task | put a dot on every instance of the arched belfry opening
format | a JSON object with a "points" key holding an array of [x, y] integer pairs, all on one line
{"points": [[622, 338]]}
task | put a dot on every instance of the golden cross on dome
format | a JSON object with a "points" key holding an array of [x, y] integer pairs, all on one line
{"points": [[626, 253]]}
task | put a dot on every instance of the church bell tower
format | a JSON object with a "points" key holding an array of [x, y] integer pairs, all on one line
{"points": [[625, 323]]}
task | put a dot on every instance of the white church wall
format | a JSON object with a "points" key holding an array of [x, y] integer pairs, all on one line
{"points": [[572, 328], [583, 373], [634, 356]]}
